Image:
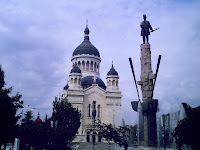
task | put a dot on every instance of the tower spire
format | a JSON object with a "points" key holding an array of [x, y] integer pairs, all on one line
{"points": [[38, 114], [86, 22], [87, 31]]}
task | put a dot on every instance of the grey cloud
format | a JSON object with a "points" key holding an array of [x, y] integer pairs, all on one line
{"points": [[37, 40]]}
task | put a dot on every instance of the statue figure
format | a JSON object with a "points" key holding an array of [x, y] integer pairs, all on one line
{"points": [[145, 27]]}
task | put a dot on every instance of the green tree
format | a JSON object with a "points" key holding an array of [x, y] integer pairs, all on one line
{"points": [[26, 130], [107, 131], [9, 105], [187, 131], [28, 118], [66, 121], [119, 135], [34, 134]]}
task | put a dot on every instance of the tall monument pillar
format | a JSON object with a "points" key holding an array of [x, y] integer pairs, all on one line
{"points": [[147, 76], [148, 106]]}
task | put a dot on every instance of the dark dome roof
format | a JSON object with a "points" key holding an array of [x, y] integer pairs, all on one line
{"points": [[112, 71], [66, 87], [89, 80], [86, 46], [75, 69]]}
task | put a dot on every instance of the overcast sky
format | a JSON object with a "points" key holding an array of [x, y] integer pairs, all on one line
{"points": [[37, 39]]}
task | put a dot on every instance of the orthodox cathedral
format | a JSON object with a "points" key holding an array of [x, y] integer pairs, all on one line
{"points": [[87, 92]]}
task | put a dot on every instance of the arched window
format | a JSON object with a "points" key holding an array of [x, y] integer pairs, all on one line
{"points": [[87, 65], [75, 81], [94, 105], [91, 66], [88, 137], [113, 83], [94, 109], [83, 63], [71, 80], [94, 137], [89, 110], [79, 64], [95, 66], [109, 83], [99, 111]]}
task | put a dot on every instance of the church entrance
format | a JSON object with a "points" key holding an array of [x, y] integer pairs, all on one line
{"points": [[88, 137], [94, 137]]}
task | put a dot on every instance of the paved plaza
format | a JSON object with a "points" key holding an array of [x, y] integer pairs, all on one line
{"points": [[104, 146]]}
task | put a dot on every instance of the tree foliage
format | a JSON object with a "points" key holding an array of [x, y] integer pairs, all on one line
{"points": [[119, 135], [66, 122], [32, 133], [8, 111], [188, 129]]}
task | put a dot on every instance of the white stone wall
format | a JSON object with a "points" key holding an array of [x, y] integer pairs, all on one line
{"points": [[113, 104], [109, 102], [89, 64], [94, 93], [75, 97]]}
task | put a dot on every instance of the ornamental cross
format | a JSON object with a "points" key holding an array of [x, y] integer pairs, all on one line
{"points": [[94, 79]]}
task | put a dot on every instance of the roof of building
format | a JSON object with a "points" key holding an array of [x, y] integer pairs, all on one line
{"points": [[75, 69], [112, 71], [38, 120], [86, 46], [89, 80]]}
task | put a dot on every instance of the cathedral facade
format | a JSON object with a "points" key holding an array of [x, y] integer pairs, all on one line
{"points": [[87, 92]]}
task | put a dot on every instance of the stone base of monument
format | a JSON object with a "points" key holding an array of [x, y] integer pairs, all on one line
{"points": [[147, 143], [146, 121]]}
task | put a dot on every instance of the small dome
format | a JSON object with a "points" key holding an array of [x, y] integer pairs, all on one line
{"points": [[86, 46], [112, 71], [89, 80], [66, 87], [75, 69]]}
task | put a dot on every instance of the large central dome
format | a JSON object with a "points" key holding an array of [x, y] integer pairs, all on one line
{"points": [[86, 46]]}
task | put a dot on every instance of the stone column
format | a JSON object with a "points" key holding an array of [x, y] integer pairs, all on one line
{"points": [[147, 110], [147, 76], [149, 105]]}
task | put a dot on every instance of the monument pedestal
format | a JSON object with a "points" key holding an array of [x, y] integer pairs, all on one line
{"points": [[148, 107], [147, 121]]}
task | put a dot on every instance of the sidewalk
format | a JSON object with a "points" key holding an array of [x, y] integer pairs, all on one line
{"points": [[104, 146]]}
